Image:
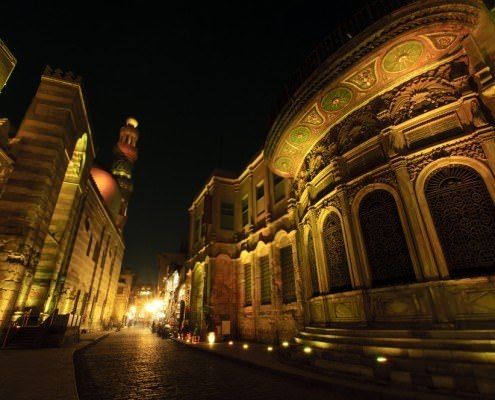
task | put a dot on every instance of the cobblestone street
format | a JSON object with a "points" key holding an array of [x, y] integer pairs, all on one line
{"points": [[135, 364]]}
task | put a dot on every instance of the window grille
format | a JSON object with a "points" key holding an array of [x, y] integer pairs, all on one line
{"points": [[339, 278], [288, 280], [464, 216], [266, 288], [248, 285], [312, 266], [386, 246]]}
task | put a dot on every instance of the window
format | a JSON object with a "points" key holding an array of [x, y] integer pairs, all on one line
{"points": [[260, 197], [245, 210], [386, 246], [248, 299], [197, 229], [90, 243], [464, 216], [278, 188], [227, 216], [339, 279], [266, 292], [312, 266], [288, 281]]}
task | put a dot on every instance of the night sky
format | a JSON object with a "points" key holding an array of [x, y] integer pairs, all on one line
{"points": [[201, 79]]}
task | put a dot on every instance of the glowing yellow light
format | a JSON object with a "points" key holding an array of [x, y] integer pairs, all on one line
{"points": [[269, 348], [231, 343], [381, 359], [285, 344], [245, 346], [133, 309], [307, 350], [211, 337]]}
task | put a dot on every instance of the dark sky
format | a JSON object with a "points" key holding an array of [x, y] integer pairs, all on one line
{"points": [[191, 74]]}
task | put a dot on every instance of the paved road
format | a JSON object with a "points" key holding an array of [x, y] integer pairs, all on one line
{"points": [[135, 364]]}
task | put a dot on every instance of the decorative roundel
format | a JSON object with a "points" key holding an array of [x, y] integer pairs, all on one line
{"points": [[284, 164], [336, 99], [403, 56], [300, 134]]}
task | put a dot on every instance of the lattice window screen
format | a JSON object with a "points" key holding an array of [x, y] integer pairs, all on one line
{"points": [[339, 278], [288, 280], [464, 216], [248, 285], [386, 245], [266, 292], [312, 266]]}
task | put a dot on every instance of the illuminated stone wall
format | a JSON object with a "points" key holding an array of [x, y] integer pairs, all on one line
{"points": [[224, 238], [393, 166], [59, 245]]}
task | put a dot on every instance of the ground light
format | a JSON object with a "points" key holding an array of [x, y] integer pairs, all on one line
{"points": [[308, 350], [211, 337], [285, 344], [245, 346], [381, 359]]}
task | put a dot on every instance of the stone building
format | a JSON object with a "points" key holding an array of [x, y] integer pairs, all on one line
{"points": [[390, 143], [387, 147], [122, 297], [243, 256], [61, 218]]}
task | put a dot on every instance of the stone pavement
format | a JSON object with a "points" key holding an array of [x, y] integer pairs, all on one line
{"points": [[257, 355], [41, 374]]}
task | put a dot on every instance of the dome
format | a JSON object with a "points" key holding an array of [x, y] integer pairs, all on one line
{"points": [[108, 188]]}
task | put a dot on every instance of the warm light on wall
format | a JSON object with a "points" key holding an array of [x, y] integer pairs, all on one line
{"points": [[269, 348], [285, 344], [381, 359], [308, 350], [211, 337], [231, 343], [245, 346]]}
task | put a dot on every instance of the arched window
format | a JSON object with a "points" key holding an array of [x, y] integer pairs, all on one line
{"points": [[464, 216], [339, 278], [287, 269], [315, 288], [386, 246]]}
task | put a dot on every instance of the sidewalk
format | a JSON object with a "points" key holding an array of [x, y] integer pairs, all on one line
{"points": [[257, 355], [42, 374]]}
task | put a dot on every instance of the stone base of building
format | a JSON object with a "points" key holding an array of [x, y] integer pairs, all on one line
{"points": [[461, 361]]}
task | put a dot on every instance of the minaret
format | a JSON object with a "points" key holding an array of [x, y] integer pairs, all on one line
{"points": [[125, 155]]}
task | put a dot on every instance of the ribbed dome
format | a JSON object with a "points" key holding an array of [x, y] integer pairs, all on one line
{"points": [[108, 188]]}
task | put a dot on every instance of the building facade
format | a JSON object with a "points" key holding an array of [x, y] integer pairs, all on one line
{"points": [[61, 218], [387, 223], [123, 297], [243, 256]]}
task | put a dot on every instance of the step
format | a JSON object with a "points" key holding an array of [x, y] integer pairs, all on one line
{"points": [[404, 333], [405, 342], [468, 378]]}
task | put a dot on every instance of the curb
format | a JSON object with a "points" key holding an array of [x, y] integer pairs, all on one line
{"points": [[375, 389]]}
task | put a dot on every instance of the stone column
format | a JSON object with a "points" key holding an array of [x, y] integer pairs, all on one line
{"points": [[421, 242], [357, 277], [487, 140]]}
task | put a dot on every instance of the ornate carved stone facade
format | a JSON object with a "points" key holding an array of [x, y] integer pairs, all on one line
{"points": [[399, 150]]}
